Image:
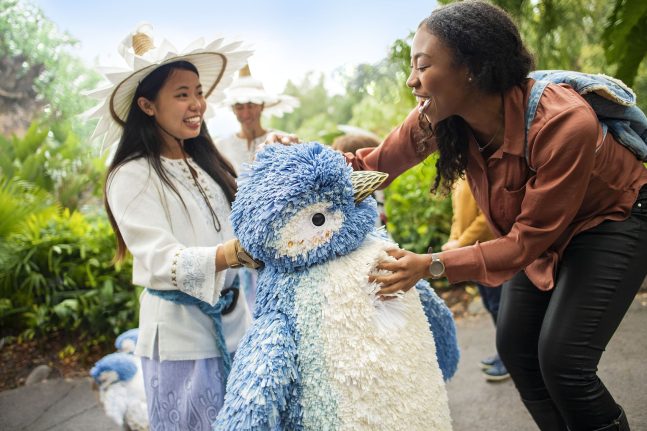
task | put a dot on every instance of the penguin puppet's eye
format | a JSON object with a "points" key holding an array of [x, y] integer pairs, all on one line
{"points": [[308, 229], [318, 219]]}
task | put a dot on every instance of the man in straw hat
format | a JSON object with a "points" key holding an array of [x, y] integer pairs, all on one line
{"points": [[249, 101], [168, 196]]}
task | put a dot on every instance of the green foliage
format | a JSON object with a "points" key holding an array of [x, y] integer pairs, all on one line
{"points": [[42, 54], [375, 98], [18, 200], [55, 263], [316, 119], [55, 160], [625, 38], [56, 274], [417, 218], [56, 269], [385, 99]]}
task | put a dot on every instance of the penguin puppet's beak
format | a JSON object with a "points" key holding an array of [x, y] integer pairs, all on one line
{"points": [[365, 183]]}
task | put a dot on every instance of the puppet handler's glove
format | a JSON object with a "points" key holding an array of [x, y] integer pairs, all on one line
{"points": [[236, 256]]}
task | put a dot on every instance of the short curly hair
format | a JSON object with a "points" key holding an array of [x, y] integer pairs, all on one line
{"points": [[484, 38]]}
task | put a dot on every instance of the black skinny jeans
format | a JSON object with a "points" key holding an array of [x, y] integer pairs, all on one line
{"points": [[551, 342]]}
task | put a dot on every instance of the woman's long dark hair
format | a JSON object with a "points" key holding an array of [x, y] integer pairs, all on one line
{"points": [[141, 138], [484, 38]]}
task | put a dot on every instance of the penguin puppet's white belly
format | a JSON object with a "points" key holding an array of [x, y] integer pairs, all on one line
{"points": [[358, 373]]}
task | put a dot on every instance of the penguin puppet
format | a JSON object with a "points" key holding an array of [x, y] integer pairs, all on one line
{"points": [[121, 390], [324, 352]]}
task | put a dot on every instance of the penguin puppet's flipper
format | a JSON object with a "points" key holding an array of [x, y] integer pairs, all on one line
{"points": [[262, 386], [442, 326]]}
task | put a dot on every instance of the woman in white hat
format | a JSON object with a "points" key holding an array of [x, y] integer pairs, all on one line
{"points": [[168, 194], [250, 101]]}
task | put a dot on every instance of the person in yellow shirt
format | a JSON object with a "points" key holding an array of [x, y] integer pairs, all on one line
{"points": [[468, 227]]}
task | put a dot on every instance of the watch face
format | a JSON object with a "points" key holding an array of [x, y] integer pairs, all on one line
{"points": [[436, 268]]}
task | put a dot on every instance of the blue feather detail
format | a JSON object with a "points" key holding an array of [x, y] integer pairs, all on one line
{"points": [[307, 173], [130, 334], [121, 363], [264, 390], [279, 378], [248, 285], [442, 325]]}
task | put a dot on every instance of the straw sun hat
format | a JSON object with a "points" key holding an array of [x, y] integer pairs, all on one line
{"points": [[247, 89], [216, 62]]}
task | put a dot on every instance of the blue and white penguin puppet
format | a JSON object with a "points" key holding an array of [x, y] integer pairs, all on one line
{"points": [[127, 341], [324, 353], [121, 390]]}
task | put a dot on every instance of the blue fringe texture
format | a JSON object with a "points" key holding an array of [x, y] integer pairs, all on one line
{"points": [[285, 179], [442, 325], [284, 347], [121, 363], [264, 390], [127, 340]]}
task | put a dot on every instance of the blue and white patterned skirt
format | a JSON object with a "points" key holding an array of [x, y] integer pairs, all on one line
{"points": [[183, 395]]}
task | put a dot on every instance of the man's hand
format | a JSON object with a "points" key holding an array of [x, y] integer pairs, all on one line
{"points": [[281, 138]]}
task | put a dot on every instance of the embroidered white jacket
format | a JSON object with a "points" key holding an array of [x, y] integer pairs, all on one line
{"points": [[174, 247]]}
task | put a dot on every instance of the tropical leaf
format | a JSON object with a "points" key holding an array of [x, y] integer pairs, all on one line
{"points": [[624, 38], [626, 15], [18, 200]]}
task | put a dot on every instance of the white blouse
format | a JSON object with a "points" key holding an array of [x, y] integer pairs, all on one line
{"points": [[237, 150], [174, 248]]}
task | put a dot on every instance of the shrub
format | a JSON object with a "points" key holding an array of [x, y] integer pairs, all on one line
{"points": [[57, 274], [416, 218]]}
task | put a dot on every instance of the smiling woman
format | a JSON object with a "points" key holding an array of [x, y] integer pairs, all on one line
{"points": [[168, 195], [571, 234], [177, 108]]}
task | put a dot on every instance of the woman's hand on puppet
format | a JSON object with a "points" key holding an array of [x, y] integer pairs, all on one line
{"points": [[236, 256], [407, 269]]}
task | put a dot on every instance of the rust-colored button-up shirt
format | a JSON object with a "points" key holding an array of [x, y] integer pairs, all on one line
{"points": [[580, 179]]}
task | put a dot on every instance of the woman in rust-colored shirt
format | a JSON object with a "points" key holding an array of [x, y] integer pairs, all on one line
{"points": [[571, 228]]}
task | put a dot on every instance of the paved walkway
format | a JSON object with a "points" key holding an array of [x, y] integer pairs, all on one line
{"points": [[478, 405], [70, 405]]}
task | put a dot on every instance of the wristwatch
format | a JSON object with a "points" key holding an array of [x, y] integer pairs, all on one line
{"points": [[436, 267]]}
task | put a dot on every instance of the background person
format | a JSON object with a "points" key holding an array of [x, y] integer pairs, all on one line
{"points": [[350, 143], [249, 101]]}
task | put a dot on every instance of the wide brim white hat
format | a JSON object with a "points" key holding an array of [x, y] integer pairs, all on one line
{"points": [[216, 62], [247, 89]]}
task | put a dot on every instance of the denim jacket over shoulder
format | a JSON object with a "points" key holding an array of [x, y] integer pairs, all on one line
{"points": [[613, 102]]}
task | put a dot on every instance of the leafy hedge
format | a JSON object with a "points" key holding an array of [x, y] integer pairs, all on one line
{"points": [[417, 218], [56, 274]]}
